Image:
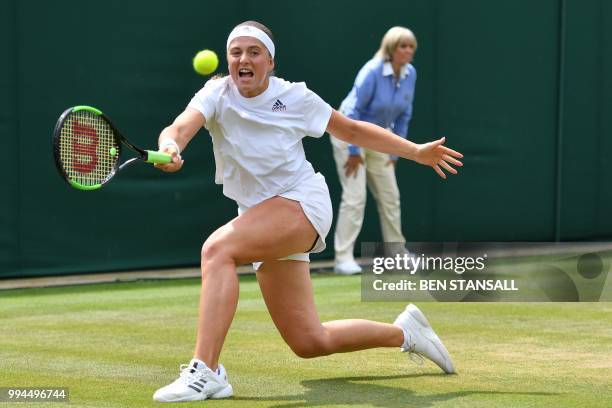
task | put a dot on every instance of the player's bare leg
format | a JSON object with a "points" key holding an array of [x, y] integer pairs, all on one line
{"points": [[273, 229], [287, 291]]}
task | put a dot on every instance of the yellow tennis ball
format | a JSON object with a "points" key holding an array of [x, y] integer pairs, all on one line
{"points": [[205, 62]]}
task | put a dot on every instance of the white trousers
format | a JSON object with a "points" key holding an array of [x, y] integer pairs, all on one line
{"points": [[380, 179]]}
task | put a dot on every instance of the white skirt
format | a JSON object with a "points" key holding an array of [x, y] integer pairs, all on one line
{"points": [[313, 196]]}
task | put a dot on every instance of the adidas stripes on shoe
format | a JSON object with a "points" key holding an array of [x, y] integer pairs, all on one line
{"points": [[196, 382]]}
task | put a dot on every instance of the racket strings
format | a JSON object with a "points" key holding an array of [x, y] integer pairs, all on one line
{"points": [[86, 141]]}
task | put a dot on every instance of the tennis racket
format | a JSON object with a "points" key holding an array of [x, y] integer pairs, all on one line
{"points": [[87, 148]]}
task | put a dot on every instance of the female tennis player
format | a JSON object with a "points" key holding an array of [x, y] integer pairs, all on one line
{"points": [[257, 122]]}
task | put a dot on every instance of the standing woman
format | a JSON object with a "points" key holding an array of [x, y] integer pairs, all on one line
{"points": [[257, 122], [382, 94]]}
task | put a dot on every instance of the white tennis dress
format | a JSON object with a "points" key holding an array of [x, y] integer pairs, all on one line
{"points": [[258, 149]]}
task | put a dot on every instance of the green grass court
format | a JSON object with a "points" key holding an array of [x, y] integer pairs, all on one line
{"points": [[113, 345]]}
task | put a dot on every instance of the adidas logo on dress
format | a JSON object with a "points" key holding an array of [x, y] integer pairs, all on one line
{"points": [[278, 106]]}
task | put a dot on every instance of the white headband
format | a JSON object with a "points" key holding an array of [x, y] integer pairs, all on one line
{"points": [[250, 31]]}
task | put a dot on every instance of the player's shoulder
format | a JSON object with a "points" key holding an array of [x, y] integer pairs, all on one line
{"points": [[282, 85], [212, 91], [214, 87], [217, 84], [289, 89]]}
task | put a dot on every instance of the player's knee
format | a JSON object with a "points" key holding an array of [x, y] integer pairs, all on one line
{"points": [[215, 250], [311, 347]]}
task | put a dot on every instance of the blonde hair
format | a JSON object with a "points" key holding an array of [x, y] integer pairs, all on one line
{"points": [[393, 37]]}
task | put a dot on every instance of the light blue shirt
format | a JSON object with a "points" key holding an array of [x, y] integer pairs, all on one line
{"points": [[378, 97]]}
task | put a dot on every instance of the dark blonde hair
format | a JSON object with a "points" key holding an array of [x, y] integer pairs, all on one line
{"points": [[257, 24]]}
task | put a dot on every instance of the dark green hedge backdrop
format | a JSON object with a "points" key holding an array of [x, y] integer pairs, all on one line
{"points": [[523, 88]]}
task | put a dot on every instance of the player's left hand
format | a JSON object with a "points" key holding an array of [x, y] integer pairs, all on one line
{"points": [[438, 156]]}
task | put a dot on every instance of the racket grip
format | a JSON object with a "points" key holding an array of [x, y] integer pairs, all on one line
{"points": [[158, 157]]}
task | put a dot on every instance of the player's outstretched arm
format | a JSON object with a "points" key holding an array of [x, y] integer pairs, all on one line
{"points": [[175, 138], [370, 136]]}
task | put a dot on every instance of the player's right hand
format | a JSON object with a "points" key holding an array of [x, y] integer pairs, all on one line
{"points": [[177, 161]]}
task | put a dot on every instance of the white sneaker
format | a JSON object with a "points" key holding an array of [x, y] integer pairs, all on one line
{"points": [[196, 382], [347, 268], [420, 339]]}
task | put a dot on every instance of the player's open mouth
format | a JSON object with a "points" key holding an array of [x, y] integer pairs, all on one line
{"points": [[245, 73]]}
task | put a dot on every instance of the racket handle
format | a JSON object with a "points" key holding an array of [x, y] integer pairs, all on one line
{"points": [[158, 157]]}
